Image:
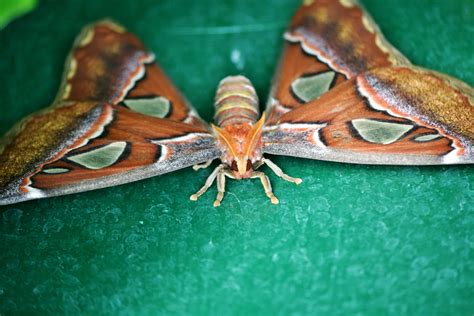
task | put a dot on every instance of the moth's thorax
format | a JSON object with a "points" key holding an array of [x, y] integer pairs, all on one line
{"points": [[236, 102]]}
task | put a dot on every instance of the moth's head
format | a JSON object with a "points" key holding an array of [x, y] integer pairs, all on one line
{"points": [[241, 148], [241, 167]]}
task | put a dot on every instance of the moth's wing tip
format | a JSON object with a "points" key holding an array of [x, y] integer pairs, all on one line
{"points": [[107, 22]]}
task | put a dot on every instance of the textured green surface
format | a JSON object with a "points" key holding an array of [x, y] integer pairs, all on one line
{"points": [[350, 240]]}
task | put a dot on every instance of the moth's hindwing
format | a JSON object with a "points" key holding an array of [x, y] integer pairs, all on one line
{"points": [[391, 115], [328, 42]]}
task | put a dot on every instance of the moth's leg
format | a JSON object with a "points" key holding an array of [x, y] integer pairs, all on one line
{"points": [[228, 173], [207, 184], [220, 187], [258, 164], [280, 172], [203, 165], [266, 185]]}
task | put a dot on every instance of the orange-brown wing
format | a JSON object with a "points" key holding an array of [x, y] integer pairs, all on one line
{"points": [[391, 115], [116, 119], [108, 64], [327, 43], [81, 146]]}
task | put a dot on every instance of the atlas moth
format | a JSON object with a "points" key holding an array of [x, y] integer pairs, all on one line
{"points": [[341, 93]]}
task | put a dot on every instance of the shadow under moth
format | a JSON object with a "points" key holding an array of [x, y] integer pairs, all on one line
{"points": [[341, 93]]}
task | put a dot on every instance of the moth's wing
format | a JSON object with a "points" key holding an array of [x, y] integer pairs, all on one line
{"points": [[81, 146], [391, 115], [117, 119], [327, 43], [108, 64]]}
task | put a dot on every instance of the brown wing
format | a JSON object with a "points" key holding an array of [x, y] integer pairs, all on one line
{"points": [[392, 115], [327, 42], [81, 146], [117, 119], [108, 64]]}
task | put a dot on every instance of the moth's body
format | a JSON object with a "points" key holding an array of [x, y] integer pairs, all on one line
{"points": [[239, 136], [125, 121], [237, 130]]}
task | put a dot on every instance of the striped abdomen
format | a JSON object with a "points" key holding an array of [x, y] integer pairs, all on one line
{"points": [[236, 102]]}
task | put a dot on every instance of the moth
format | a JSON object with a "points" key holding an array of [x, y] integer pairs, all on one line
{"points": [[341, 93]]}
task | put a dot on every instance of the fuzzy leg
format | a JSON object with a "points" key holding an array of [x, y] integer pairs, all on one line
{"points": [[203, 165], [220, 188], [266, 185], [208, 183], [280, 172]]}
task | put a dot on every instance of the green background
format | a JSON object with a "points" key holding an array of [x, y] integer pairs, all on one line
{"points": [[350, 240], [10, 9]]}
